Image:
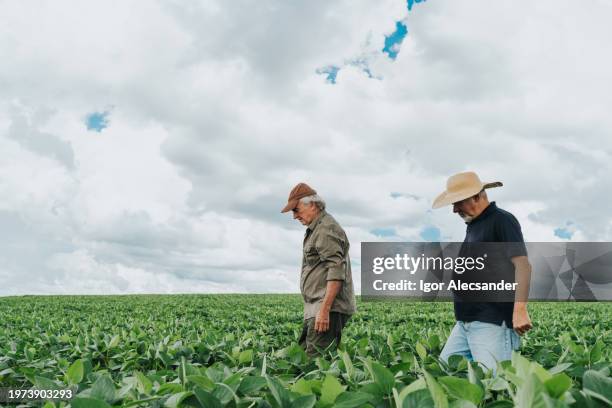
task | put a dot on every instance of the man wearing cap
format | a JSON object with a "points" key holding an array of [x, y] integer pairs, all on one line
{"points": [[486, 332], [326, 281]]}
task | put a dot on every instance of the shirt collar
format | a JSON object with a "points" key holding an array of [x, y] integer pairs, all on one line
{"points": [[316, 221], [491, 208]]}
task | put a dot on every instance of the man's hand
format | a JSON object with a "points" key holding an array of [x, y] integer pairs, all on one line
{"points": [[322, 321], [520, 318], [322, 318]]}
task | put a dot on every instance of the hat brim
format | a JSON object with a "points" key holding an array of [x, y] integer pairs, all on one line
{"points": [[290, 205], [447, 198], [493, 184]]}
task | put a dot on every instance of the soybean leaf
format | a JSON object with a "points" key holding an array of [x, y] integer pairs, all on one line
{"points": [[418, 399], [352, 399], [233, 381], [462, 404], [348, 364], [169, 388], [223, 392], [473, 376], [500, 404], [374, 390], [245, 356], [81, 402], [103, 389], [144, 385], [437, 393], [434, 342], [596, 352], [251, 384], [421, 351], [114, 342], [302, 387], [175, 400], [531, 393], [74, 375], [43, 383], [304, 401], [497, 384], [597, 386], [462, 389], [330, 389], [412, 387], [263, 366], [558, 384], [560, 368], [382, 376], [206, 398], [280, 394]]}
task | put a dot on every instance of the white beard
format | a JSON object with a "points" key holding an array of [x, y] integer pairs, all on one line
{"points": [[467, 218]]}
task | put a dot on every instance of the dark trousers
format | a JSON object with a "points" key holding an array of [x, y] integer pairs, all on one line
{"points": [[314, 343]]}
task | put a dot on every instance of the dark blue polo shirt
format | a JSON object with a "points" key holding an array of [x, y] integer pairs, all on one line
{"points": [[493, 225]]}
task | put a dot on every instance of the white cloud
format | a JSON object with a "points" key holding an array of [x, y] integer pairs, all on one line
{"points": [[216, 111]]}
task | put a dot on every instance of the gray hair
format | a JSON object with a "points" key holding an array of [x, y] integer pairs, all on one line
{"points": [[318, 201]]}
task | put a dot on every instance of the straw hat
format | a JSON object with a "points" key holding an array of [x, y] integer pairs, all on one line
{"points": [[462, 186]]}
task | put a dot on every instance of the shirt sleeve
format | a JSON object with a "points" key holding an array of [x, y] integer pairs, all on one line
{"points": [[330, 244], [509, 230]]}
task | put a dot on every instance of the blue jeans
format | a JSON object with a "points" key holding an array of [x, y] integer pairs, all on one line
{"points": [[486, 343]]}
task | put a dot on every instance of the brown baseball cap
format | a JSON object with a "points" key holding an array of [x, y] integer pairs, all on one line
{"points": [[300, 191]]}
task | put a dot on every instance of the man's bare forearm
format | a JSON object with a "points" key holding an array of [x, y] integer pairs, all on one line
{"points": [[331, 291], [522, 276]]}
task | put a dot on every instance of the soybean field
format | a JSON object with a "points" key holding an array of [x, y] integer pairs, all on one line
{"points": [[241, 351]]}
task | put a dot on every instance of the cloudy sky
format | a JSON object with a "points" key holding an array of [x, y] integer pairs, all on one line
{"points": [[148, 146]]}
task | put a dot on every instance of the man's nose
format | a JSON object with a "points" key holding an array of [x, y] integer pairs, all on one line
{"points": [[455, 208], [294, 215]]}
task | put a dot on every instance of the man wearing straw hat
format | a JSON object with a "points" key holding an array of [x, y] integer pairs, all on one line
{"points": [[326, 281], [486, 332]]}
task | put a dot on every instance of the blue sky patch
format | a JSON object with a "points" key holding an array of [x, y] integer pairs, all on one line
{"points": [[331, 71], [431, 234], [383, 232], [393, 41], [362, 64], [97, 121], [412, 2], [563, 233]]}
